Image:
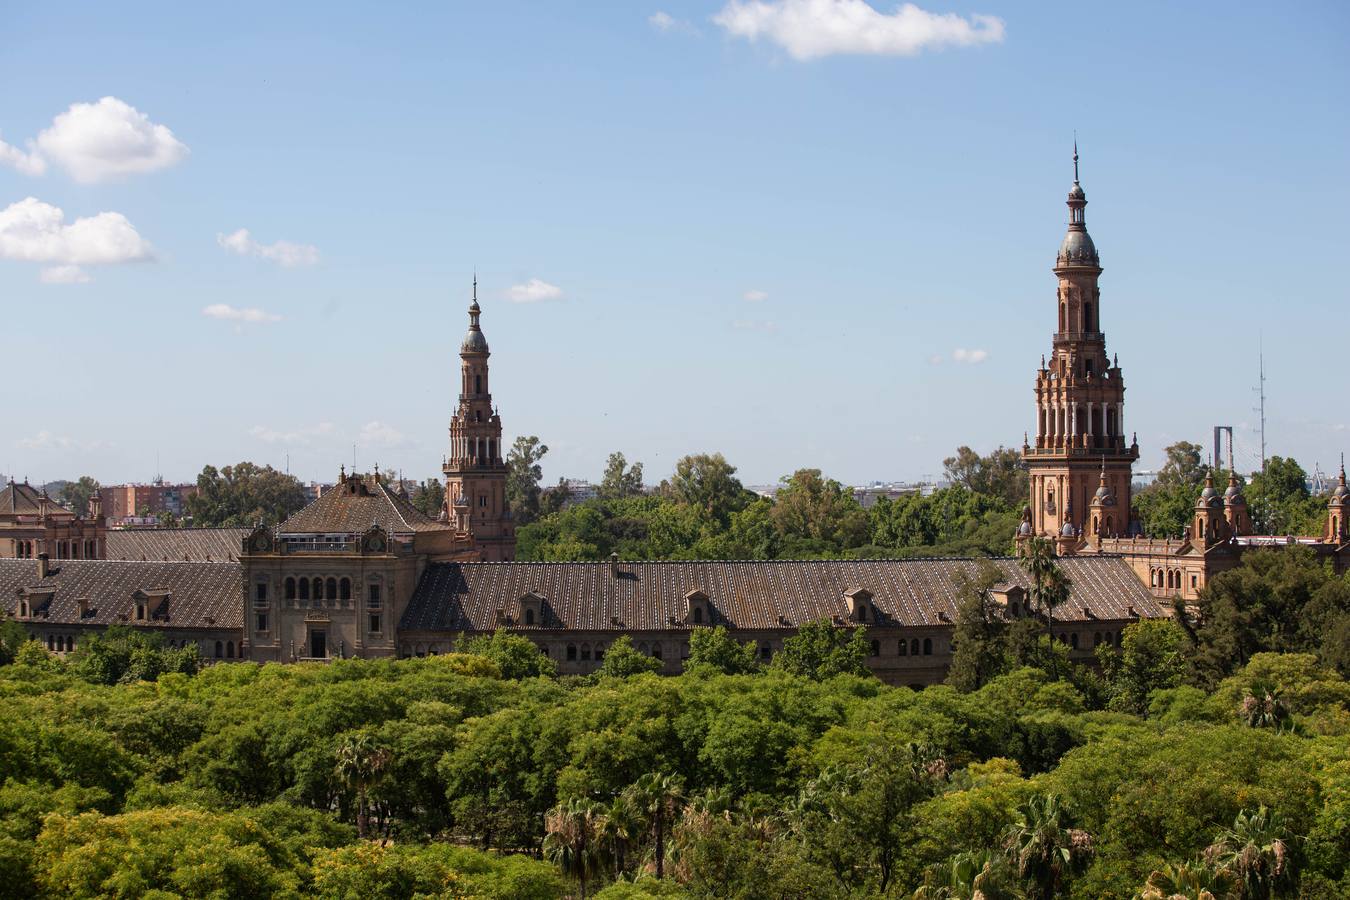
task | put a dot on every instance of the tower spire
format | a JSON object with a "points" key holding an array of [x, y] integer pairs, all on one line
{"points": [[1075, 157]]}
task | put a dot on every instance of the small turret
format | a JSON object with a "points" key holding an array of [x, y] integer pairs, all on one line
{"points": [[1235, 508], [1338, 511]]}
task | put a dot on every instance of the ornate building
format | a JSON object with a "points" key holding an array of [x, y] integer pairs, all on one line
{"points": [[33, 524], [475, 473], [1080, 464]]}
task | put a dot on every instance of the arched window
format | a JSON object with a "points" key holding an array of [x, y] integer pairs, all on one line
{"points": [[1087, 317], [290, 588], [529, 617], [1063, 315], [643, 649], [585, 652], [304, 588], [1118, 639], [543, 649], [332, 589], [1096, 638], [478, 384], [927, 646], [904, 647], [698, 615], [656, 651], [51, 642], [862, 613], [571, 652], [70, 643], [1073, 640], [345, 589], [317, 588], [876, 648], [914, 647], [220, 648], [229, 649]]}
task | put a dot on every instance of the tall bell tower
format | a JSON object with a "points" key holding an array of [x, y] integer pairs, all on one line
{"points": [[1080, 402], [475, 475]]}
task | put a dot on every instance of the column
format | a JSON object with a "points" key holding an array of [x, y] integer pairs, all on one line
{"points": [[1089, 412], [1120, 419], [1073, 424]]}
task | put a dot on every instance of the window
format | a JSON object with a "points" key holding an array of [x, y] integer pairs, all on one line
{"points": [[656, 650], [229, 649], [261, 593], [1073, 640], [529, 617], [345, 589], [1096, 638], [317, 589], [290, 588], [876, 648], [219, 648], [904, 647], [571, 652], [140, 611], [698, 615], [375, 623], [332, 590], [914, 647], [585, 652], [70, 643], [544, 650], [374, 596], [262, 622], [927, 646], [304, 588], [478, 384], [482, 501]]}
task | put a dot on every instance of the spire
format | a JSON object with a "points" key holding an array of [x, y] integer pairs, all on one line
{"points": [[474, 341], [1075, 157], [1077, 249]]}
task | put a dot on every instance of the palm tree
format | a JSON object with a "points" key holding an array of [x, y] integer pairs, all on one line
{"points": [[361, 764], [620, 829], [1049, 585], [658, 797], [1263, 707], [1255, 854], [974, 875], [1041, 846], [572, 840], [1187, 881]]}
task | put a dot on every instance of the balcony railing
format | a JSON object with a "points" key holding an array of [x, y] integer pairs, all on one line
{"points": [[318, 546]]}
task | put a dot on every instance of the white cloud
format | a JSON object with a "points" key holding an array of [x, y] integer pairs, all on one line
{"points": [[935, 360], [302, 435], [33, 231], [26, 163], [664, 21], [46, 440], [533, 291], [63, 275], [755, 296], [972, 357], [809, 29], [381, 434], [283, 253], [99, 141], [250, 315], [761, 325]]}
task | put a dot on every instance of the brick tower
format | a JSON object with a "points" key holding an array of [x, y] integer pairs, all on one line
{"points": [[475, 475], [1080, 404]]}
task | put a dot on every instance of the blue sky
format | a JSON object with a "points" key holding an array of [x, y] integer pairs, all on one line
{"points": [[888, 186]]}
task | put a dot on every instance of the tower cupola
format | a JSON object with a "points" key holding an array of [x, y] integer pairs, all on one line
{"points": [[1077, 248]]}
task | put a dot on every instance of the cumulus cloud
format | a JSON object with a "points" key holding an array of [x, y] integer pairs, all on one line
{"points": [[755, 296], [33, 231], [100, 141], [250, 315], [380, 434], [302, 435], [283, 253], [63, 275], [533, 291], [809, 29], [972, 357]]}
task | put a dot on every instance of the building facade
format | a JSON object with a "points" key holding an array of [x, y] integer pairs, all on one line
{"points": [[32, 524]]}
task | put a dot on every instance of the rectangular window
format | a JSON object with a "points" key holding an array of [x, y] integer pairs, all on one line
{"points": [[375, 623], [262, 592], [262, 621], [482, 500], [374, 595]]}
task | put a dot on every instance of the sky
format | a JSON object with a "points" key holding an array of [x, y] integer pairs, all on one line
{"points": [[803, 233]]}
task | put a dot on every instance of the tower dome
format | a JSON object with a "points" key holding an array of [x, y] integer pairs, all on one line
{"points": [[474, 339], [1233, 495], [1077, 248], [1209, 497]]}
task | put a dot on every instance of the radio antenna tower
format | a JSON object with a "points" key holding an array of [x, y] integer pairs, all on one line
{"points": [[1261, 391]]}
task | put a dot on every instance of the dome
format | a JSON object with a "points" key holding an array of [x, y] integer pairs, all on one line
{"points": [[1077, 250], [1076, 192], [1024, 529], [1103, 496], [1233, 496], [1209, 497], [474, 342], [1067, 530]]}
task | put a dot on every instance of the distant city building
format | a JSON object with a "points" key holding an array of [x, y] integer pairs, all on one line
{"points": [[579, 490], [123, 502]]}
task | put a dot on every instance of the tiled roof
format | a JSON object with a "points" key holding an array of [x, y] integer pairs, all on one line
{"points": [[198, 591], [22, 500], [743, 594], [351, 506], [176, 544]]}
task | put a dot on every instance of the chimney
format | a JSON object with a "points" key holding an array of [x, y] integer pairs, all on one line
{"points": [[44, 565], [614, 564]]}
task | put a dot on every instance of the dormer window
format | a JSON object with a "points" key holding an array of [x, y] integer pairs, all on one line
{"points": [[698, 611], [860, 608], [531, 606]]}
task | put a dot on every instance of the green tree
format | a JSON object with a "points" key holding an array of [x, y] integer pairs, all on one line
{"points": [[243, 494], [820, 650], [812, 508], [123, 654], [1043, 847], [429, 498], [1187, 881], [1256, 854], [1279, 501], [621, 480], [517, 657], [622, 660], [523, 474], [657, 798], [1001, 475], [707, 482], [12, 637], [573, 839], [1049, 585], [979, 637], [361, 763], [715, 650], [1152, 657], [76, 494]]}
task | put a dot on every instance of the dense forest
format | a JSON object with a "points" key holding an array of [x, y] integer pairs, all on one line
{"points": [[1204, 755]]}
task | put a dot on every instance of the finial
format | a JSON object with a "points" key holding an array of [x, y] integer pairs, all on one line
{"points": [[1075, 156], [342, 472], [475, 284]]}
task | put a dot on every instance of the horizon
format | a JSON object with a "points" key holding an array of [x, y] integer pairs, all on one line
{"points": [[692, 233]]}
